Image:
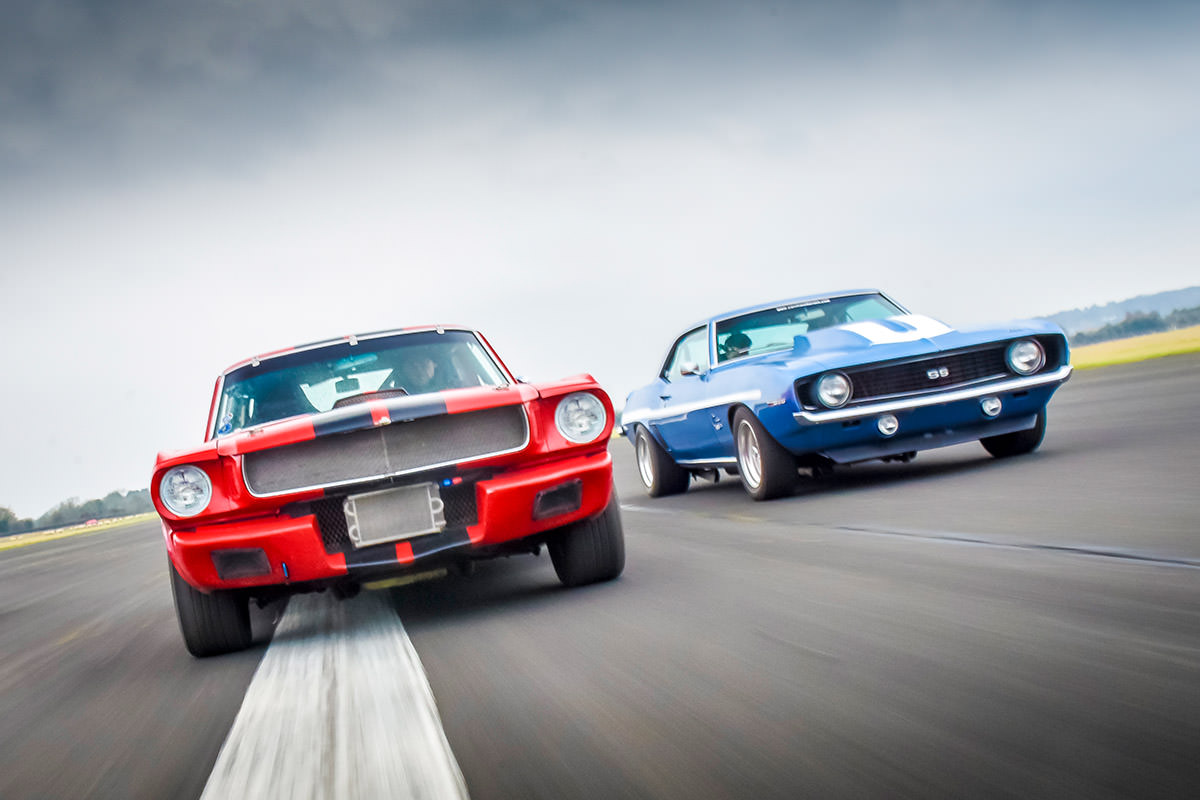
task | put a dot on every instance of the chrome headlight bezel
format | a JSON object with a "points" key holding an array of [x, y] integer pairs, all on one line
{"points": [[580, 417], [1018, 353], [185, 490], [837, 398]]}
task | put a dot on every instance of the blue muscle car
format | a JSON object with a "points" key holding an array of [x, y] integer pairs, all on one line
{"points": [[836, 379]]}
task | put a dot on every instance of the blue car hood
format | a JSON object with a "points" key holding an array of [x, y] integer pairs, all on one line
{"points": [[908, 336]]}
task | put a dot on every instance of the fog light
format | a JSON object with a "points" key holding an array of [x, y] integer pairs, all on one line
{"points": [[241, 563], [562, 499], [888, 424], [990, 406]]}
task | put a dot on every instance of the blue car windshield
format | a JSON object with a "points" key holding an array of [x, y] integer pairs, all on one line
{"points": [[320, 378], [774, 329]]}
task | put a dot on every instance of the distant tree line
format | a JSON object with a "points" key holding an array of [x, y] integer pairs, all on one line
{"points": [[1137, 323], [74, 511]]}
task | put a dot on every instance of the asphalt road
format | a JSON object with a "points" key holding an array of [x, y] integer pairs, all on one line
{"points": [[954, 627]]}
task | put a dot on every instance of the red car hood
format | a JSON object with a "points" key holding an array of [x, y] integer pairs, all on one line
{"points": [[372, 413]]}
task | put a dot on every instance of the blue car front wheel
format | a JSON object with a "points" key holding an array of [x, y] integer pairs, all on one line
{"points": [[1018, 443], [767, 470]]}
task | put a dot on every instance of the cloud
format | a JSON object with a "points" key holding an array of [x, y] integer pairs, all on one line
{"points": [[130, 84], [130, 81]]}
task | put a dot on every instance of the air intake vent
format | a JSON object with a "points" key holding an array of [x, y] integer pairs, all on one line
{"points": [[396, 449]]}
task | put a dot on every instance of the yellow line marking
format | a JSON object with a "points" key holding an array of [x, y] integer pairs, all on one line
{"points": [[740, 518], [73, 635], [404, 580]]}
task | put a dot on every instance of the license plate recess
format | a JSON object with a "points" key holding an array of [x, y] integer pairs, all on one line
{"points": [[390, 515]]}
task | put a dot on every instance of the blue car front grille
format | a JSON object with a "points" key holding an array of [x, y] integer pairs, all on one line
{"points": [[917, 376], [948, 369]]}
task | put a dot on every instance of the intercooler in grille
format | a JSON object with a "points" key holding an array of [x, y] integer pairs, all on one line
{"points": [[460, 512], [394, 449], [948, 369]]}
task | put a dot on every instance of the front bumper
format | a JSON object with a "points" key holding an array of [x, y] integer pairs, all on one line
{"points": [[850, 434], [1055, 378], [295, 552]]}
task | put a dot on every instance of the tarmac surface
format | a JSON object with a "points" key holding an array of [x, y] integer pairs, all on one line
{"points": [[955, 627]]}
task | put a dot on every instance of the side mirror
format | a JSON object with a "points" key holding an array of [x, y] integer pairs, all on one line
{"points": [[689, 368]]}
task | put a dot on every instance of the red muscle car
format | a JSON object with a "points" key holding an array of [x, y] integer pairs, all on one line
{"points": [[365, 457]]}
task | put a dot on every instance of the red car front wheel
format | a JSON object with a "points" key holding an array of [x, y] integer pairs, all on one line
{"points": [[590, 550], [211, 624]]}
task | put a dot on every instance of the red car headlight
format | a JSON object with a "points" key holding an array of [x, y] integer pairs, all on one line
{"points": [[580, 417], [186, 490]]}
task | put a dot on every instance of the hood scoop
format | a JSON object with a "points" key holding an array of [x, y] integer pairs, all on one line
{"points": [[858, 335]]}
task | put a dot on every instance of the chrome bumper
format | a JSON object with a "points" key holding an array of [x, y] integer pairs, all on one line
{"points": [[1014, 385]]}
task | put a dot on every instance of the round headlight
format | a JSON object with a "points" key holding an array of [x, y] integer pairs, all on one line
{"points": [[580, 417], [1026, 357], [185, 491], [833, 389]]}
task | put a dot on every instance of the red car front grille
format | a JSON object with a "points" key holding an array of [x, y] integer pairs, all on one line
{"points": [[396, 449]]}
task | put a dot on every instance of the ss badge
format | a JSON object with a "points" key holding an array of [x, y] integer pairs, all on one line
{"points": [[937, 372]]}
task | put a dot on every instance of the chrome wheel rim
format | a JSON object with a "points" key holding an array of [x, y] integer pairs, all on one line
{"points": [[749, 455], [644, 462]]}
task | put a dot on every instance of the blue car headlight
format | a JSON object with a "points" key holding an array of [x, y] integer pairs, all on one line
{"points": [[833, 389], [1025, 357]]}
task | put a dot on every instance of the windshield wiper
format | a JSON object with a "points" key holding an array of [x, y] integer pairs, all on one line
{"points": [[363, 397]]}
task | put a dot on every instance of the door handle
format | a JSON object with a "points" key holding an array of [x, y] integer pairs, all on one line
{"points": [[664, 397]]}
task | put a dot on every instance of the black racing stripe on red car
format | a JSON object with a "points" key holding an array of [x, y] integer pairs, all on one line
{"points": [[401, 408], [428, 545], [423, 547], [357, 417], [344, 423], [374, 556]]}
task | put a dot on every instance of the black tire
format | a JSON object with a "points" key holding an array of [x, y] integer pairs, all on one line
{"points": [[1019, 442], [211, 624], [590, 550], [767, 470], [659, 473]]}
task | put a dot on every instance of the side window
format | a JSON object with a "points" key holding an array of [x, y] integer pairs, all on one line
{"points": [[692, 347]]}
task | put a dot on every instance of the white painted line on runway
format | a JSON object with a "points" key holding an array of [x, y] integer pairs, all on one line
{"points": [[339, 708], [645, 510]]}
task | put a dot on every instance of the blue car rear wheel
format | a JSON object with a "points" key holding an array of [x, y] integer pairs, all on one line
{"points": [[659, 473]]}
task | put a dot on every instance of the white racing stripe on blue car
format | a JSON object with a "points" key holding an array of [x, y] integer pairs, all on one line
{"points": [[907, 328], [339, 708], [679, 409]]}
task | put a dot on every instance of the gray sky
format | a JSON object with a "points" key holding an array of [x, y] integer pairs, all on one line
{"points": [[183, 185]]}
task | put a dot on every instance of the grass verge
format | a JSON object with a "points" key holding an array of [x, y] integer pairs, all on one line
{"points": [[37, 537], [1137, 348]]}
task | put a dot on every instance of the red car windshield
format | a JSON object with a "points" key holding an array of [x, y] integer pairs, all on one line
{"points": [[318, 379]]}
